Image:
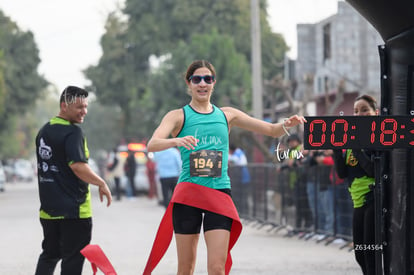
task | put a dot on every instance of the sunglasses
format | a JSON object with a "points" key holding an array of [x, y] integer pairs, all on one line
{"points": [[196, 79]]}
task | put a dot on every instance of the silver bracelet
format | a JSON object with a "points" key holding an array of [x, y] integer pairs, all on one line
{"points": [[284, 128]]}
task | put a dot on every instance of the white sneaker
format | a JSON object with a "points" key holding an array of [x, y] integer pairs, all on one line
{"points": [[319, 237], [339, 241]]}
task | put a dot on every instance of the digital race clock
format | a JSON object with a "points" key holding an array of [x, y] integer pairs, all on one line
{"points": [[359, 132]]}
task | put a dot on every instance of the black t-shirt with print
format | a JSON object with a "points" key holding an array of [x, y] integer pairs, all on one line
{"points": [[58, 144]]}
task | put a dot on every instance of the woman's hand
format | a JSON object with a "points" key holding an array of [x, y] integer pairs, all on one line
{"points": [[293, 121], [188, 142]]}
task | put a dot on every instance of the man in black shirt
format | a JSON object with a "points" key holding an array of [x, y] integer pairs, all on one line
{"points": [[64, 177]]}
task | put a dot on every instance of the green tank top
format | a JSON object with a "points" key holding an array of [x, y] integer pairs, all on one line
{"points": [[207, 164]]}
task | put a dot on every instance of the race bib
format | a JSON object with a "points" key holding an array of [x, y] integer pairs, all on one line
{"points": [[206, 163]]}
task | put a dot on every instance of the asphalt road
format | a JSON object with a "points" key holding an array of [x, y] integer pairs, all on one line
{"points": [[126, 230]]}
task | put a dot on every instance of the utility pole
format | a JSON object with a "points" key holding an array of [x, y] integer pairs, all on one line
{"points": [[257, 83]]}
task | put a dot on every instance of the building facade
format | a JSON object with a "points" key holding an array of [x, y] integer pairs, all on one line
{"points": [[342, 48]]}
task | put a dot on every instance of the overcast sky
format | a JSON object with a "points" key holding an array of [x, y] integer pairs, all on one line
{"points": [[68, 32]]}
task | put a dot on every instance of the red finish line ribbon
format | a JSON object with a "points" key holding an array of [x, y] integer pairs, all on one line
{"points": [[98, 259], [201, 197]]}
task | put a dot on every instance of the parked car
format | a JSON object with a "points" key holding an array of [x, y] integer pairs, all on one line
{"points": [[94, 166], [23, 170]]}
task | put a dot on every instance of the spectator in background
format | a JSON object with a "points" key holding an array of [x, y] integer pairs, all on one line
{"points": [[313, 187], [325, 192], [297, 179], [130, 169], [238, 158], [116, 171], [341, 205], [151, 174], [168, 167]]}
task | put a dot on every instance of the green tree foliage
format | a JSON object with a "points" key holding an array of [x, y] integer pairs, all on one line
{"points": [[2, 86], [174, 33], [113, 81], [102, 125], [20, 86], [168, 83]]}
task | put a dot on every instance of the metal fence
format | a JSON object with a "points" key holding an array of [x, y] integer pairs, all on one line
{"points": [[306, 201]]}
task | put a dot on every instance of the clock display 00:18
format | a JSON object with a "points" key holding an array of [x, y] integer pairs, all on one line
{"points": [[359, 132]]}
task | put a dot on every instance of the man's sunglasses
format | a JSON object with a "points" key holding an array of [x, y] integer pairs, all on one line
{"points": [[195, 79]]}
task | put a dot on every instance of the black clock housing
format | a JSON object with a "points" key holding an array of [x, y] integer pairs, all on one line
{"points": [[358, 132]]}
